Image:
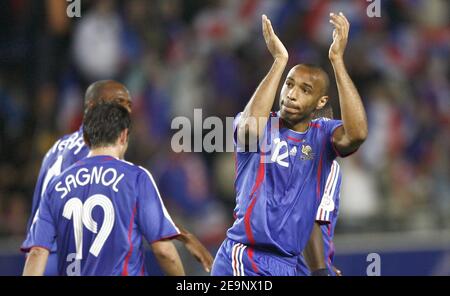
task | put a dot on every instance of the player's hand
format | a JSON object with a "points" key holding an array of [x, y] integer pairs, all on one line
{"points": [[273, 43], [337, 271], [340, 36], [196, 248]]}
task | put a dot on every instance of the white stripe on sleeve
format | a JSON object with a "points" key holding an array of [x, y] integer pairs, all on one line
{"points": [[166, 214]]}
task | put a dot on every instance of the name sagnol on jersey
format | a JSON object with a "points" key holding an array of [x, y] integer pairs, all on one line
{"points": [[84, 176]]}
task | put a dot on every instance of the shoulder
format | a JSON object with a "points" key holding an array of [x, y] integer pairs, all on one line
{"points": [[64, 143], [127, 164], [326, 124], [128, 167], [319, 122], [146, 174], [54, 149], [57, 150], [140, 171], [145, 179]]}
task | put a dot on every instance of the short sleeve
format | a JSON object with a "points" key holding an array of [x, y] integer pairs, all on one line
{"points": [[42, 232], [331, 126], [330, 196], [153, 219]]}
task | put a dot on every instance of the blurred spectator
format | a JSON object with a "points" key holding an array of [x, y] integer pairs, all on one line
{"points": [[97, 44]]}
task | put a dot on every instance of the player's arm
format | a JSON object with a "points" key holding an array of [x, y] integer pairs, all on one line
{"points": [[353, 133], [196, 248], [254, 117], [36, 262], [314, 252], [168, 258]]}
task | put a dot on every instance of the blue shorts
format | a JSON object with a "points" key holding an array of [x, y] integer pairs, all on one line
{"points": [[236, 259]]}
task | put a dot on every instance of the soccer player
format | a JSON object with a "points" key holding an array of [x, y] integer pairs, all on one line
{"points": [[99, 208], [71, 148], [279, 184]]}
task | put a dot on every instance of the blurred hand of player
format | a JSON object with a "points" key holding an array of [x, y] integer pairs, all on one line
{"points": [[340, 35], [274, 44], [196, 248], [337, 271]]}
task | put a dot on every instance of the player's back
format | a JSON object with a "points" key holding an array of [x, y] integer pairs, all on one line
{"points": [[65, 152], [100, 208]]}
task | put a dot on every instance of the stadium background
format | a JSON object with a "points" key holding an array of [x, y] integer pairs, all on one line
{"points": [[177, 55]]}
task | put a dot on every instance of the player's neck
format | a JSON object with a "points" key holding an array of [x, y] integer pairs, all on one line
{"points": [[109, 151], [301, 126]]}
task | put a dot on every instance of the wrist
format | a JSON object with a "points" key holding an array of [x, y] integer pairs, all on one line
{"points": [[337, 61], [282, 60]]}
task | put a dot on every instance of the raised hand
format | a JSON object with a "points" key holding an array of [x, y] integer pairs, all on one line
{"points": [[340, 35], [274, 44]]}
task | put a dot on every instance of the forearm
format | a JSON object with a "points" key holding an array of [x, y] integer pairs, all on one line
{"points": [[168, 258], [352, 109], [255, 114], [314, 251], [36, 262], [171, 265]]}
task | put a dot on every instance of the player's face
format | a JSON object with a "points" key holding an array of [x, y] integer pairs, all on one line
{"points": [[300, 94], [117, 93], [122, 96], [125, 102]]}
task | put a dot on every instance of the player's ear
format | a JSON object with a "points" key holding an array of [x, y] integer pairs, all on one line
{"points": [[322, 102], [123, 137]]}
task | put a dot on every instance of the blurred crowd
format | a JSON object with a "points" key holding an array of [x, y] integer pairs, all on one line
{"points": [[177, 55]]}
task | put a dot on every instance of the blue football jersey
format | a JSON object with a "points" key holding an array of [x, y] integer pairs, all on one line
{"points": [[280, 186], [64, 153], [98, 211], [327, 216]]}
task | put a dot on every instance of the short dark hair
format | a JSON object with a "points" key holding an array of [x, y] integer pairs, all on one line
{"points": [[103, 123]]}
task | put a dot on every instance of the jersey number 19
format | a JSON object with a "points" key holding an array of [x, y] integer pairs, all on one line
{"points": [[82, 215]]}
